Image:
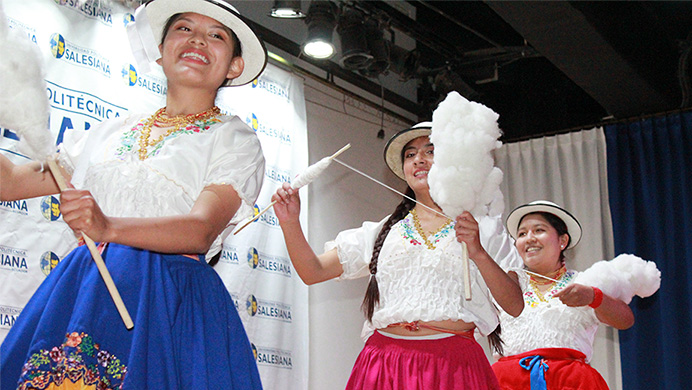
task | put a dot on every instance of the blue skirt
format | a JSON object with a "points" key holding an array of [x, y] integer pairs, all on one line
{"points": [[187, 333]]}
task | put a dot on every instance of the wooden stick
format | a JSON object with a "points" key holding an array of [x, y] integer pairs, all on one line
{"points": [[338, 152], [541, 276], [100, 264], [254, 218], [466, 271], [392, 189]]}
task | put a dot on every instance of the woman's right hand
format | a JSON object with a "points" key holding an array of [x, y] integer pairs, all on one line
{"points": [[83, 215], [287, 206]]}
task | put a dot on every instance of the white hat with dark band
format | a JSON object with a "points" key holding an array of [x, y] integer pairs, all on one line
{"points": [[150, 19], [544, 206], [396, 144]]}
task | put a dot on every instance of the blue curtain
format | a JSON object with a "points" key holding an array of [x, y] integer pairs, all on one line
{"points": [[650, 190]]}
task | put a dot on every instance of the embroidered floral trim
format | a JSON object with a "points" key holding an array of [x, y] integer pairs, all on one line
{"points": [[411, 235], [128, 141], [78, 360], [532, 300]]}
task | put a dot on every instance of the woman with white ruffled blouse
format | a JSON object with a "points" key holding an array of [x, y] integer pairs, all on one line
{"points": [[421, 326], [550, 345], [159, 192]]}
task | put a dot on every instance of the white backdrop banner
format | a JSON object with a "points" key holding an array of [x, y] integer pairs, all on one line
{"points": [[91, 77]]}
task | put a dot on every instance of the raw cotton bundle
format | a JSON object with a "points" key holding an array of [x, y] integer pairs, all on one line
{"points": [[25, 111], [24, 101], [306, 177], [463, 176], [623, 277]]}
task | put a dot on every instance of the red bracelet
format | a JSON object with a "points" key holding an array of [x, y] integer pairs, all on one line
{"points": [[597, 298]]}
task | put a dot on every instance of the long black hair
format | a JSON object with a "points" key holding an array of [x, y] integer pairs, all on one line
{"points": [[372, 294]]}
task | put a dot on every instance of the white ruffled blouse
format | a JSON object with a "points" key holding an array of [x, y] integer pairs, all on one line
{"points": [[105, 160], [420, 284], [550, 324]]}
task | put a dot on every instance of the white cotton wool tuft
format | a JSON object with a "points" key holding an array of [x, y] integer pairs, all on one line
{"points": [[463, 176], [310, 173], [623, 277], [23, 99]]}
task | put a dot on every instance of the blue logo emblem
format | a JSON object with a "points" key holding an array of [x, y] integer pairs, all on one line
{"points": [[255, 122], [50, 208], [48, 262], [251, 305], [128, 18], [252, 257], [130, 75], [57, 45]]}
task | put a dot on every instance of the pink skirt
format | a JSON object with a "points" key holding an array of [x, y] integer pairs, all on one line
{"points": [[454, 362]]}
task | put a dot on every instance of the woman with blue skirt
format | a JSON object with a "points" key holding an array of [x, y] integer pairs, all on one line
{"points": [[159, 193]]}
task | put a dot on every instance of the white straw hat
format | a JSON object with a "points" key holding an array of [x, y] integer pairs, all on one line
{"points": [[395, 145], [156, 13], [573, 226]]}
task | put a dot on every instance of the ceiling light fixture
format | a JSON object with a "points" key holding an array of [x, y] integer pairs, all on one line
{"points": [[287, 9], [378, 48], [354, 44], [403, 62], [321, 20]]}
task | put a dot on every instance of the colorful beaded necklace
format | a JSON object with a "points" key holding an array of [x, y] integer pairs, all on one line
{"points": [[419, 229], [161, 119], [551, 283]]}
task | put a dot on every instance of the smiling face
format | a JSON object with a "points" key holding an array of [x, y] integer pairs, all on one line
{"points": [[417, 160], [198, 51], [539, 244]]}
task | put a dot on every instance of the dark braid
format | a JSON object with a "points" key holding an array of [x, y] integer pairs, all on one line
{"points": [[495, 341], [372, 294]]}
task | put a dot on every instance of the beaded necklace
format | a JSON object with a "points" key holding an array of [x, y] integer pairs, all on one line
{"points": [[161, 119], [534, 284], [419, 229]]}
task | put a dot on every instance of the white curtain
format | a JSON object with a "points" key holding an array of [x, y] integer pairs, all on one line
{"points": [[570, 170]]}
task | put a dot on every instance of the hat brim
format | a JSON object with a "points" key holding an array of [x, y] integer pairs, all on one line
{"points": [[573, 226], [395, 145], [254, 52]]}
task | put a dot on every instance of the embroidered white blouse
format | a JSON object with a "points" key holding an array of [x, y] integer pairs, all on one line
{"points": [[550, 324], [105, 160], [420, 284]]}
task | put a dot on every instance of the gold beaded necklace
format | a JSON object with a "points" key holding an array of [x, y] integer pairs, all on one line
{"points": [[419, 229], [551, 284], [175, 123]]}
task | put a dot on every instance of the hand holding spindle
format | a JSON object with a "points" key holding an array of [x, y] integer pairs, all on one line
{"points": [[305, 177]]}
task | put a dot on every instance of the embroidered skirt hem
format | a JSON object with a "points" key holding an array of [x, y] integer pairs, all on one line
{"points": [[187, 333]]}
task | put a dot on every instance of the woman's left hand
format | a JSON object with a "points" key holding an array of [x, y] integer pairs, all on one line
{"points": [[575, 295], [466, 228], [81, 212]]}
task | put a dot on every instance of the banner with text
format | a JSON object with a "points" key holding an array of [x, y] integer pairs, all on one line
{"points": [[91, 77]]}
